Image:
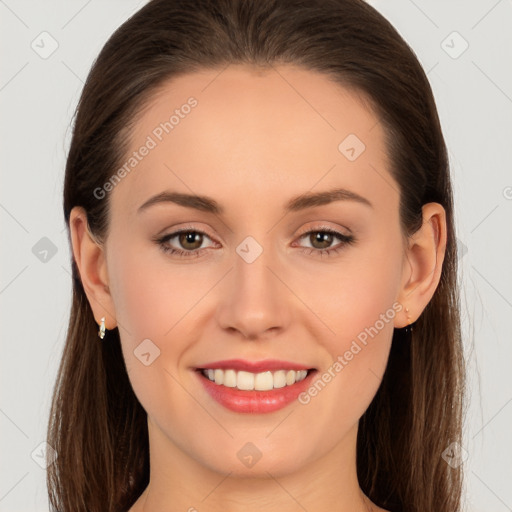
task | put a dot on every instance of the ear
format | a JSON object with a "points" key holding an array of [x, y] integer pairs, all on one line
{"points": [[423, 264], [89, 255]]}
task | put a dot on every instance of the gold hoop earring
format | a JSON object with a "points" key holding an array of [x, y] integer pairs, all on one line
{"points": [[101, 332]]}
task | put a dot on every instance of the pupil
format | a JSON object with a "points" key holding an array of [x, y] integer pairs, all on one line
{"points": [[189, 238], [323, 238]]}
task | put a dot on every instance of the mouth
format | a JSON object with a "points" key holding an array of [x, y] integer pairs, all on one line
{"points": [[271, 387], [249, 381]]}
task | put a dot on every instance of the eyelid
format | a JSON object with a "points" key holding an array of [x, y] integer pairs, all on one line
{"points": [[185, 228], [303, 231], [324, 227]]}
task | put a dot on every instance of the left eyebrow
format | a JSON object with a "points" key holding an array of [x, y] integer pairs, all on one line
{"points": [[300, 202], [203, 203]]}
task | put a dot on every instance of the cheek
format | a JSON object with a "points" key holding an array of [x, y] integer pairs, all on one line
{"points": [[361, 313], [358, 355], [362, 298], [156, 304], [154, 297], [151, 304]]}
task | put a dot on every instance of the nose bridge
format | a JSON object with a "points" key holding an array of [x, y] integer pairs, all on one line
{"points": [[253, 280], [255, 300], [251, 273]]}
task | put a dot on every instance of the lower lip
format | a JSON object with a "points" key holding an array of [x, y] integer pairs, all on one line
{"points": [[255, 402]]}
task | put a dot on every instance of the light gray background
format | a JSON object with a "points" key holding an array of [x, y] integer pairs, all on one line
{"points": [[473, 91]]}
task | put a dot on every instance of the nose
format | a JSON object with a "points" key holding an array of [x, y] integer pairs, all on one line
{"points": [[255, 302]]}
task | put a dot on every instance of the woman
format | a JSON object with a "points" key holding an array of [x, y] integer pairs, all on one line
{"points": [[259, 207]]}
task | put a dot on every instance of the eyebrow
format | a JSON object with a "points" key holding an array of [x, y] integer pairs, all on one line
{"points": [[301, 202]]}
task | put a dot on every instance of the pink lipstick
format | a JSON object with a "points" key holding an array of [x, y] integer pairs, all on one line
{"points": [[254, 387]]}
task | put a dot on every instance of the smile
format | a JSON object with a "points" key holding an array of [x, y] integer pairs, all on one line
{"points": [[248, 381], [254, 387]]}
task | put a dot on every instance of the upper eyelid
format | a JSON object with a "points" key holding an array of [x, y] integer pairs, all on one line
{"points": [[186, 229], [302, 231], [323, 228], [301, 235]]}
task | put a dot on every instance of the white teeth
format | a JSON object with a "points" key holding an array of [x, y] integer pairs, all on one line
{"points": [[244, 380], [229, 378], [290, 377], [279, 379], [264, 381], [218, 376]]}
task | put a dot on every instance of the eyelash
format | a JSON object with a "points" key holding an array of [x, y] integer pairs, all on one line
{"points": [[345, 240]]}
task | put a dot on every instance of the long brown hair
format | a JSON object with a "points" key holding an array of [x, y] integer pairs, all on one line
{"points": [[97, 425]]}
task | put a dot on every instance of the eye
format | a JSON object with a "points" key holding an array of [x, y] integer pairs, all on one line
{"points": [[321, 241], [191, 240]]}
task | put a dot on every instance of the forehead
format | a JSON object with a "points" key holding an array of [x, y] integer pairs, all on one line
{"points": [[243, 131]]}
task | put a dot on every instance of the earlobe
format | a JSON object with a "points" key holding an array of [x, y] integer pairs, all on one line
{"points": [[423, 263], [90, 259]]}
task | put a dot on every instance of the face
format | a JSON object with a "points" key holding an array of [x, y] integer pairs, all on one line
{"points": [[259, 273]]}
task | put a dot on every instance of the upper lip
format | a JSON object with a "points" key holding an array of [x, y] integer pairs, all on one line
{"points": [[254, 366]]}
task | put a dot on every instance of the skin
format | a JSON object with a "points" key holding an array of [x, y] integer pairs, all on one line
{"points": [[255, 140]]}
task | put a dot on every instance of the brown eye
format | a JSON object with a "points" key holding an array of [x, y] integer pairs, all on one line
{"points": [[322, 242], [190, 240], [184, 243], [321, 239]]}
